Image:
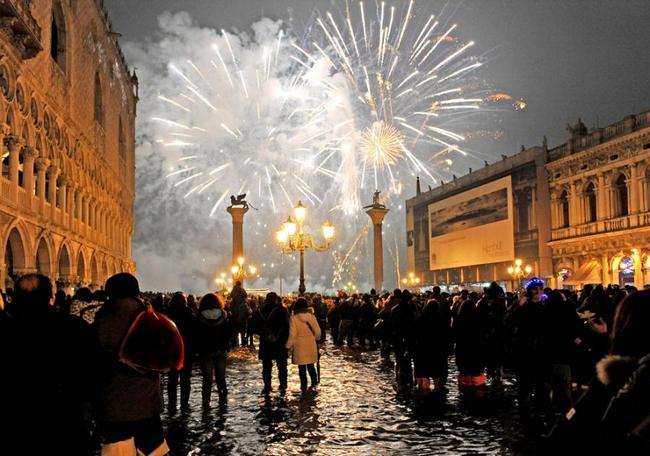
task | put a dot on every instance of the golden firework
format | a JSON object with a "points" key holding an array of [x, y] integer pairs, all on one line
{"points": [[381, 145]]}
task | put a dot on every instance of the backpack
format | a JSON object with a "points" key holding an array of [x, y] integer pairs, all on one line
{"points": [[269, 336], [152, 344]]}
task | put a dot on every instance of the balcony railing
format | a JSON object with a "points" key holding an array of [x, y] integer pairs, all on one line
{"points": [[604, 226]]}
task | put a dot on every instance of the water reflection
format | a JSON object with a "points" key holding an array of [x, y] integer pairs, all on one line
{"points": [[355, 410]]}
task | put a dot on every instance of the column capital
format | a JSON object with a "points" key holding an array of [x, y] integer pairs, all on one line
{"points": [[377, 214], [42, 164], [11, 141], [237, 213], [29, 152], [65, 180]]}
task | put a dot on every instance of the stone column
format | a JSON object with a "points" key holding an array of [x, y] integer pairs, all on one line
{"points": [[604, 266], [573, 205], [62, 195], [41, 168], [377, 215], [601, 197], [28, 168], [237, 214], [53, 173], [14, 157], [638, 270], [633, 186]]}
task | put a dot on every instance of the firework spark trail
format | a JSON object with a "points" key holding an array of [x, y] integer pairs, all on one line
{"points": [[383, 97]]}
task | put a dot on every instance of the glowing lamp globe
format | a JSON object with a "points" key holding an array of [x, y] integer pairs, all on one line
{"points": [[300, 211]]}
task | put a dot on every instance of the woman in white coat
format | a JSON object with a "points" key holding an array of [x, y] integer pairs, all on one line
{"points": [[303, 334]]}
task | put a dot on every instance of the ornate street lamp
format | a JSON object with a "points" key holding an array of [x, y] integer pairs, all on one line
{"points": [[240, 271], [411, 280], [519, 272], [292, 237]]}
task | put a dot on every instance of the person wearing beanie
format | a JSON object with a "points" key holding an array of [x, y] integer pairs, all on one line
{"points": [[130, 402]]}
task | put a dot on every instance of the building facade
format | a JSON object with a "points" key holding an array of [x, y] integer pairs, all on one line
{"points": [[67, 118], [523, 231], [600, 199], [580, 214]]}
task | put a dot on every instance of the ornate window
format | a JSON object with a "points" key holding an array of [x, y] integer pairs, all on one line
{"points": [[621, 197], [5, 160], [122, 147], [564, 209], [592, 203], [99, 106], [58, 36]]}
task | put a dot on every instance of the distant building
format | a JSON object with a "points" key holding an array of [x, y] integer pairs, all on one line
{"points": [[600, 199], [578, 213], [67, 118]]}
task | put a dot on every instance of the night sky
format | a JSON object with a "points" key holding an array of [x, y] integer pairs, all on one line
{"points": [[567, 59]]}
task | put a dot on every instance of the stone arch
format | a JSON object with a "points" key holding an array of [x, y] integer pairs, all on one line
{"points": [[43, 255], [64, 262], [591, 201], [94, 270], [11, 120], [81, 267], [15, 249], [59, 36]]}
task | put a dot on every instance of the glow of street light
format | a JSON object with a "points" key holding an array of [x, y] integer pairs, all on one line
{"points": [[300, 211], [234, 269], [240, 261], [282, 236], [328, 231], [290, 226]]}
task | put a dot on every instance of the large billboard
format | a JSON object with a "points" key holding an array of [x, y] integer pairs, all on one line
{"points": [[471, 228]]}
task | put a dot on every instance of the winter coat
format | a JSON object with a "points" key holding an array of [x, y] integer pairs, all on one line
{"points": [[527, 324], [126, 395], [48, 383], [185, 321], [272, 320], [431, 342], [492, 312], [468, 336], [613, 416], [211, 332], [302, 339], [402, 318]]}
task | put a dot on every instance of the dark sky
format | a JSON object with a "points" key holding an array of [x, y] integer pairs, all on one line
{"points": [[571, 58]]}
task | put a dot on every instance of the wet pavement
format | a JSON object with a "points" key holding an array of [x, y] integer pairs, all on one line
{"points": [[355, 410]]}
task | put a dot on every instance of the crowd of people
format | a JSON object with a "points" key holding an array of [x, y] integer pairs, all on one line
{"points": [[580, 359]]}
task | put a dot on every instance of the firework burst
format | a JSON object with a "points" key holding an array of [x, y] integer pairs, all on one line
{"points": [[405, 78]]}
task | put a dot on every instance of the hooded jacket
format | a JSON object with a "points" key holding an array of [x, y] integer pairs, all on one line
{"points": [[211, 332]]}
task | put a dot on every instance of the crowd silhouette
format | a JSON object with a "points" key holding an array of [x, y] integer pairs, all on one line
{"points": [[84, 368]]}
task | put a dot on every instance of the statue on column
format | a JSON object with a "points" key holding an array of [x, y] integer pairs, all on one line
{"points": [[239, 201], [376, 204]]}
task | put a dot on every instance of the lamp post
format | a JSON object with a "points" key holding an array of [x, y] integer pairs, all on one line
{"points": [[518, 271], [411, 280], [293, 238], [240, 271]]}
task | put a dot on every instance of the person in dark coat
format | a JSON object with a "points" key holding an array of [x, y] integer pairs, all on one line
{"points": [[49, 375], [239, 314], [320, 311], [385, 332], [367, 319], [431, 346], [469, 349], [130, 402], [182, 316], [613, 416], [271, 322], [560, 343], [527, 325], [402, 318], [334, 320], [211, 344], [492, 312]]}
